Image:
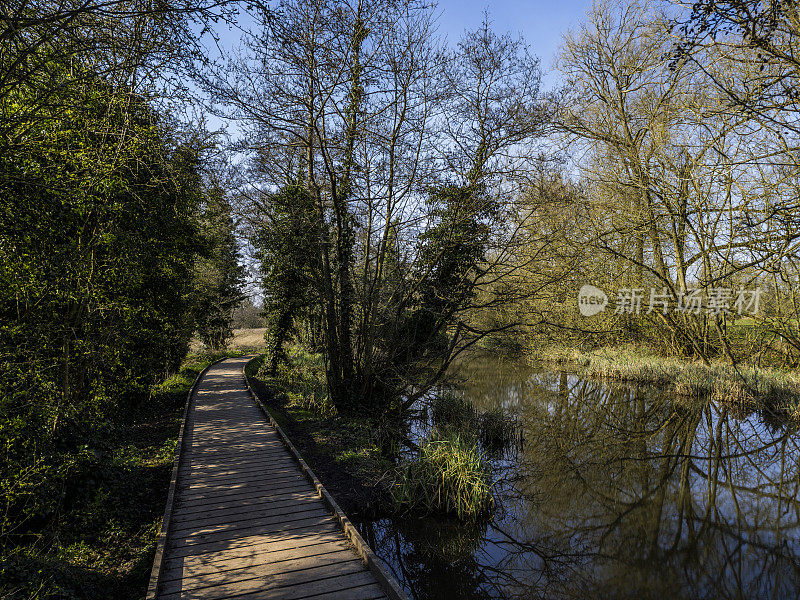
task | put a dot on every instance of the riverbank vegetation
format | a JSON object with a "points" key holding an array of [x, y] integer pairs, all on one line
{"points": [[398, 244], [742, 384], [686, 190], [454, 413]]}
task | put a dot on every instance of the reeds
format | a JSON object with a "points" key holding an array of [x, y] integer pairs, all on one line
{"points": [[497, 431], [451, 411], [494, 429], [743, 386], [447, 476]]}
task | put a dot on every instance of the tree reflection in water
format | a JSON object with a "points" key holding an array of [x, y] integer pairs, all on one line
{"points": [[617, 492]]}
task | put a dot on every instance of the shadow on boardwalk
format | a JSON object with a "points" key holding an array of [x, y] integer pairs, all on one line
{"points": [[246, 523]]}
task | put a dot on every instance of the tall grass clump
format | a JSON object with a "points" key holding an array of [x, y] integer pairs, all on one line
{"points": [[456, 414], [694, 380], [453, 412], [447, 476], [632, 364], [563, 355], [497, 431]]}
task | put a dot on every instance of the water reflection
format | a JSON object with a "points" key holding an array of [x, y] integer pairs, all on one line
{"points": [[617, 492]]}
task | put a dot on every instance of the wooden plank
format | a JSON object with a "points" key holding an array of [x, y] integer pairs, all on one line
{"points": [[186, 580], [201, 489], [200, 520], [371, 591], [251, 492], [287, 523], [230, 454], [345, 588], [253, 519], [297, 495], [246, 522], [234, 478], [299, 530], [251, 478], [225, 468], [306, 583], [269, 553], [231, 510]]}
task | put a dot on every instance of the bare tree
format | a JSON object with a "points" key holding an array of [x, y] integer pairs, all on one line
{"points": [[403, 150]]}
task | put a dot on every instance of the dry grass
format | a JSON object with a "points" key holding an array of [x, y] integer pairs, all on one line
{"points": [[743, 386], [243, 339]]}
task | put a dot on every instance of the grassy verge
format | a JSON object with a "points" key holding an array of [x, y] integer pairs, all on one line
{"points": [[343, 452], [744, 385], [114, 491]]}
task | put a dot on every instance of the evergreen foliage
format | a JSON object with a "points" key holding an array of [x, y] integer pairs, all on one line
{"points": [[218, 273], [98, 234]]}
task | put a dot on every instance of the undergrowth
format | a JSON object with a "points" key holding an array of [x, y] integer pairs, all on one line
{"points": [[95, 514]]}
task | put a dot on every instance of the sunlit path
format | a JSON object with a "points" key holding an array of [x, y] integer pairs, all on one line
{"points": [[245, 522]]}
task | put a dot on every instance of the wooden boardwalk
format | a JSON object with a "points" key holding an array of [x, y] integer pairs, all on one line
{"points": [[245, 522]]}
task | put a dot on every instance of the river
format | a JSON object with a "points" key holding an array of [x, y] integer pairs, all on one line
{"points": [[616, 491]]}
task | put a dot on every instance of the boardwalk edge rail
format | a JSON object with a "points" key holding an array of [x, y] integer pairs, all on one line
{"points": [[158, 560], [385, 579]]}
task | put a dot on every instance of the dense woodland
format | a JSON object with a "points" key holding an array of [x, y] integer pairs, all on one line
{"points": [[402, 198]]}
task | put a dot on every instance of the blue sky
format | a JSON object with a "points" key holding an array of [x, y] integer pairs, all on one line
{"points": [[540, 23]]}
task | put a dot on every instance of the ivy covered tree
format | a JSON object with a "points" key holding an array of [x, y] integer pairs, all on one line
{"points": [[287, 247]]}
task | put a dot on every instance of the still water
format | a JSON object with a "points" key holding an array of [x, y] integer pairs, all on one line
{"points": [[617, 491]]}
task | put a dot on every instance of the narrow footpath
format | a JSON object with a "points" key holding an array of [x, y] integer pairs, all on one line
{"points": [[245, 521]]}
